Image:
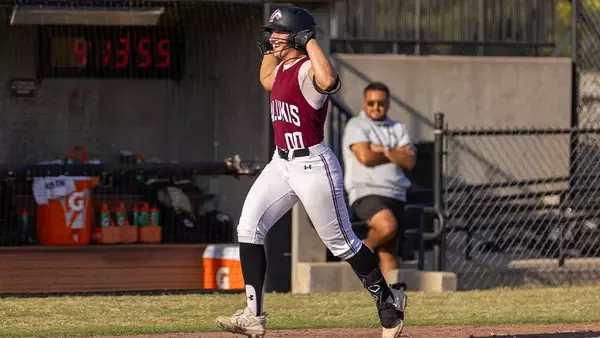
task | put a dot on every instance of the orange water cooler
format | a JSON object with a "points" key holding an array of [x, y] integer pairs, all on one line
{"points": [[222, 267], [68, 220]]}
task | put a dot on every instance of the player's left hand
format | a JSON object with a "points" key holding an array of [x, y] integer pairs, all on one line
{"points": [[301, 38]]}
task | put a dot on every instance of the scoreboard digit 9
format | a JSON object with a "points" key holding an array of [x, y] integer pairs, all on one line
{"points": [[109, 52]]}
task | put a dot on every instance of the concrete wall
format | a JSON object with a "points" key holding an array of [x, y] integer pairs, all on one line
{"points": [[475, 92], [217, 108], [472, 91]]}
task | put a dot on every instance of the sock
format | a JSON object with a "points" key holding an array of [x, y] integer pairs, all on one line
{"points": [[254, 268], [365, 266]]}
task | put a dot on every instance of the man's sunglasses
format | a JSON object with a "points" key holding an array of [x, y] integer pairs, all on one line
{"points": [[379, 103]]}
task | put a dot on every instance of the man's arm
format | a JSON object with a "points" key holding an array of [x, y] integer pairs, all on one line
{"points": [[267, 71], [356, 140], [322, 71], [403, 156], [368, 155]]}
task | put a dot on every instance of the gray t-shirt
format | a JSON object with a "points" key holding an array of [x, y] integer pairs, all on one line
{"points": [[385, 179]]}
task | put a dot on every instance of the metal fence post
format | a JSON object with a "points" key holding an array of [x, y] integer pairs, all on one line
{"points": [[438, 154], [574, 91], [574, 135]]}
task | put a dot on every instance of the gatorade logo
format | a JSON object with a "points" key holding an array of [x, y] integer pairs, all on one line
{"points": [[76, 201], [74, 210], [223, 278]]}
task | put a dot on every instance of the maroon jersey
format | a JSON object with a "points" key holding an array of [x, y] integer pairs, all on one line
{"points": [[296, 124]]}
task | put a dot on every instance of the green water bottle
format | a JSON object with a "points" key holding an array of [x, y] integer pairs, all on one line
{"points": [[25, 224], [120, 215], [135, 216], [155, 216], [144, 216], [104, 216]]}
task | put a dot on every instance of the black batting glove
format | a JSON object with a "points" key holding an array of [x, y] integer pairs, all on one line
{"points": [[302, 38]]}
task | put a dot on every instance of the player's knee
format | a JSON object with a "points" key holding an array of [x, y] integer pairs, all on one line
{"points": [[345, 255], [250, 234], [248, 240], [346, 250]]}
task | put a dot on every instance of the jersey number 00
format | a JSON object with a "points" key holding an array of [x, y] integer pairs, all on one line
{"points": [[294, 140]]}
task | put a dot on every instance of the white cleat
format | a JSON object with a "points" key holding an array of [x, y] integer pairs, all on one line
{"points": [[244, 322], [399, 304]]}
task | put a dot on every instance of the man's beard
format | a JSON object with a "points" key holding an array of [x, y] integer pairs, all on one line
{"points": [[381, 118]]}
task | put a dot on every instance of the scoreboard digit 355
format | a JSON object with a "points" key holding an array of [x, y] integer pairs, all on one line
{"points": [[110, 52]]}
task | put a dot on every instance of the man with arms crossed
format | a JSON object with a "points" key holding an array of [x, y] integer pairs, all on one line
{"points": [[376, 152], [300, 78]]}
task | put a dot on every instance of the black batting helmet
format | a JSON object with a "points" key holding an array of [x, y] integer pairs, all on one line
{"points": [[288, 19]]}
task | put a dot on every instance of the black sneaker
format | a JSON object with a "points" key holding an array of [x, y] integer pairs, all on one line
{"points": [[391, 312]]}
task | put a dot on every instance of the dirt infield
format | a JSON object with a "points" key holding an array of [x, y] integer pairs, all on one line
{"points": [[520, 331]]}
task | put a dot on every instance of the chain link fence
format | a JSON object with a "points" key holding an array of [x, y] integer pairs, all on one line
{"points": [[513, 217], [522, 205]]}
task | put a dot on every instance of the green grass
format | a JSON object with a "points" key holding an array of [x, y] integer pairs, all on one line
{"points": [[114, 315]]}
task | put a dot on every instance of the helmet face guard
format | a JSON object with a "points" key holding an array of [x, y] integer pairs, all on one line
{"points": [[265, 46]]}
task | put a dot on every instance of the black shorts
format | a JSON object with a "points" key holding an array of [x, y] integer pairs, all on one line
{"points": [[366, 207]]}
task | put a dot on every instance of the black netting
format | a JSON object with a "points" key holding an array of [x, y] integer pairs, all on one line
{"points": [[140, 99]]}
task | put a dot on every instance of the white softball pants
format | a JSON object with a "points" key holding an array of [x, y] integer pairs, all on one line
{"points": [[315, 180]]}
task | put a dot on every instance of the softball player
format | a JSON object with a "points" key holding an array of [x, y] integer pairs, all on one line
{"points": [[300, 79]]}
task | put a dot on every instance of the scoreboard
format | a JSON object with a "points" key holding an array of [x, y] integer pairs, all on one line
{"points": [[110, 51]]}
